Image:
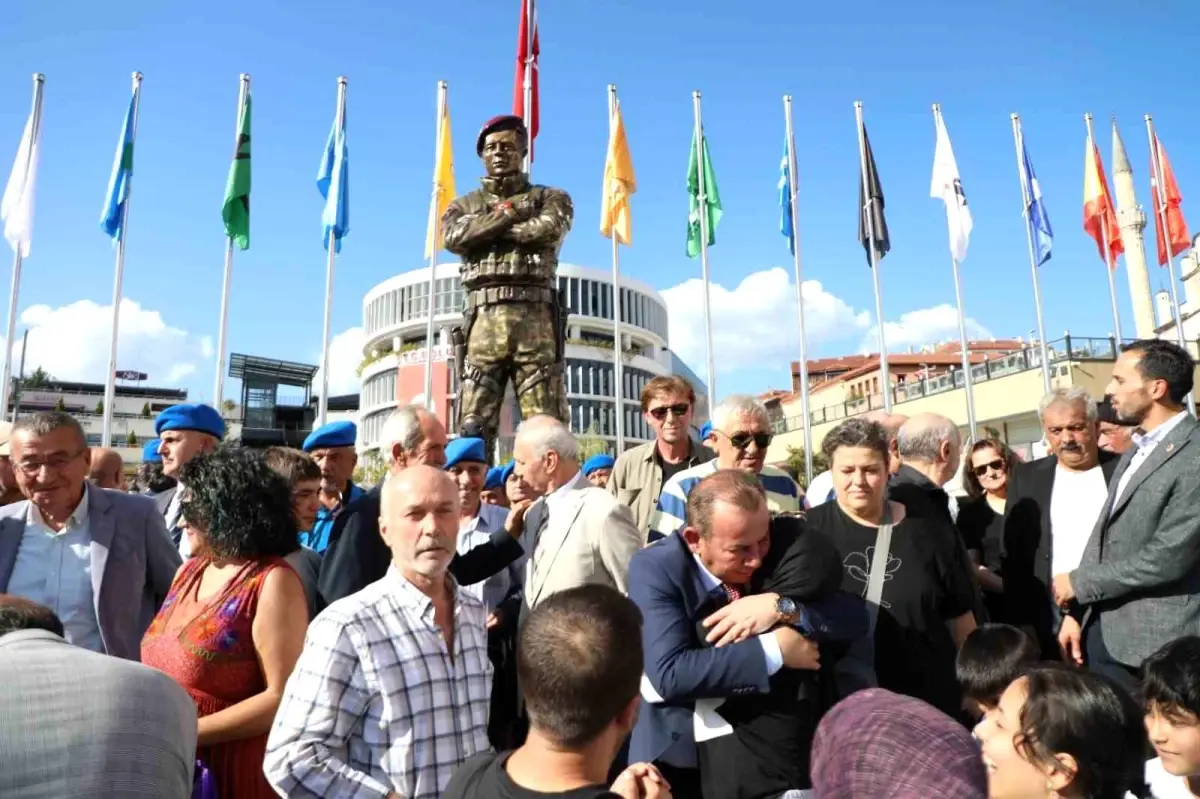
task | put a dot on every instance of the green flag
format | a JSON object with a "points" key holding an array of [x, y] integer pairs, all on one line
{"points": [[236, 210], [712, 199]]}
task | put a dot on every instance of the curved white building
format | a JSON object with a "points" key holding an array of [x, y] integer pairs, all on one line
{"points": [[395, 320]]}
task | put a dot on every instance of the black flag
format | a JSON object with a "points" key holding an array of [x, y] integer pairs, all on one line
{"points": [[872, 227]]}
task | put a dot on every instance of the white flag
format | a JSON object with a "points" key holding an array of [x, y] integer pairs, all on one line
{"points": [[948, 188], [16, 208]]}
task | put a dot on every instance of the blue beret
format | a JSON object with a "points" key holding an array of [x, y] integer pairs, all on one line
{"points": [[465, 449], [705, 430], [150, 451], [190, 417], [334, 434], [604, 461], [494, 479]]}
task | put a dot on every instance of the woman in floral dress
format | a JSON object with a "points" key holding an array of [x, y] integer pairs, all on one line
{"points": [[233, 624]]}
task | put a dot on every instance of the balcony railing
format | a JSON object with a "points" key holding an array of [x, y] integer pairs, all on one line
{"points": [[1068, 348]]}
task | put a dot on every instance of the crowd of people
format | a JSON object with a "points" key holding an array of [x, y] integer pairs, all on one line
{"points": [[681, 620]]}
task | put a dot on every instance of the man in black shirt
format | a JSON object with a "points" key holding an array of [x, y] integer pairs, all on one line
{"points": [[579, 661], [930, 450]]}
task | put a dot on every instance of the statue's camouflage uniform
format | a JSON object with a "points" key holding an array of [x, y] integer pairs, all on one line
{"points": [[508, 234]]}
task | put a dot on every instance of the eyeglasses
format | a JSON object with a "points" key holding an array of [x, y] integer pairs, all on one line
{"points": [[742, 440], [996, 466], [661, 412], [54, 463]]}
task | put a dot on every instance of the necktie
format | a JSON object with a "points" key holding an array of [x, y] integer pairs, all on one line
{"points": [[732, 591]]}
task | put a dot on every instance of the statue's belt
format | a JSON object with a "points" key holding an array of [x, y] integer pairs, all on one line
{"points": [[494, 295]]}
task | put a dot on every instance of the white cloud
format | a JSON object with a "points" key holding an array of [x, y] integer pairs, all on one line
{"points": [[755, 324], [71, 343], [925, 326], [345, 354]]}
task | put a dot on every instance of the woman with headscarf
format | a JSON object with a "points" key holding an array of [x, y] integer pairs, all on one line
{"points": [[878, 744], [233, 623]]}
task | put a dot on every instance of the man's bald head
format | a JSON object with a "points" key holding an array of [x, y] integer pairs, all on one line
{"points": [[419, 523], [930, 443], [107, 470]]}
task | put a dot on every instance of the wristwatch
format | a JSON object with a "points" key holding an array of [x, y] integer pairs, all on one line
{"points": [[787, 610]]}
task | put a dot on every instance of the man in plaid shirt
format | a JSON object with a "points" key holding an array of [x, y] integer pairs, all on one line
{"points": [[391, 692]]}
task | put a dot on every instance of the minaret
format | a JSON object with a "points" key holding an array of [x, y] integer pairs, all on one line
{"points": [[1132, 221]]}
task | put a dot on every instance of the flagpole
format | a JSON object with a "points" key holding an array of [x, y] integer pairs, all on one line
{"points": [[702, 198], [793, 194], [939, 125], [222, 330], [618, 349], [1110, 263], [110, 380], [1026, 196], [35, 114], [1164, 231], [527, 85], [435, 227], [323, 404], [869, 208]]}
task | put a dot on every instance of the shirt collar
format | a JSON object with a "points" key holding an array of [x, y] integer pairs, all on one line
{"points": [[708, 578], [563, 490], [77, 519], [656, 456], [1149, 440], [408, 595]]}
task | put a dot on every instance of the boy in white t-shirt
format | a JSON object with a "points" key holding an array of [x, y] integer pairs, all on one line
{"points": [[1171, 686]]}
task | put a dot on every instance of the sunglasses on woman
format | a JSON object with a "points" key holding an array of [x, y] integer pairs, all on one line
{"points": [[995, 466]]}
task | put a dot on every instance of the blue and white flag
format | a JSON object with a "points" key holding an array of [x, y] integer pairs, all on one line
{"points": [[1038, 219], [333, 181], [786, 226]]}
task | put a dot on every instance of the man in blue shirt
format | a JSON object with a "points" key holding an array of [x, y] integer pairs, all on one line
{"points": [[332, 447]]}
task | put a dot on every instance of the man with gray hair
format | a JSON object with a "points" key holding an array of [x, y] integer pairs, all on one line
{"points": [[576, 534], [357, 555], [1052, 505], [930, 448], [741, 433]]}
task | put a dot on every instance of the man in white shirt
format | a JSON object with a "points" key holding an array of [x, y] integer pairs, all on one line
{"points": [[1139, 576], [391, 692], [1053, 504]]}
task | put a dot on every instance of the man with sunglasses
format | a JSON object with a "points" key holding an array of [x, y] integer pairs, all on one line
{"points": [[741, 433], [668, 405]]}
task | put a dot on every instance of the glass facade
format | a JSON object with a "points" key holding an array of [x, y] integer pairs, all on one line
{"points": [[378, 390], [585, 297]]}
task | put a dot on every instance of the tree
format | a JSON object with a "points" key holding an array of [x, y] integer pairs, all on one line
{"points": [[131, 439], [60, 406], [100, 408], [228, 406], [371, 470], [795, 464], [146, 411], [38, 379], [590, 443]]}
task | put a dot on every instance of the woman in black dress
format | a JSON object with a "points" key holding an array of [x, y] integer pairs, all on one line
{"points": [[986, 473], [924, 610]]}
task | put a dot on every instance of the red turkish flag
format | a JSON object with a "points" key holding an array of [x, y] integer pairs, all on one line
{"points": [[528, 50], [1177, 230]]}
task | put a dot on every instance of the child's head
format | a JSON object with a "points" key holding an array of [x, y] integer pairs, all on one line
{"points": [[1171, 688], [990, 659]]}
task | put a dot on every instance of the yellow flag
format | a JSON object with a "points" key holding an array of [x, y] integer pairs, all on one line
{"points": [[619, 184], [443, 179]]}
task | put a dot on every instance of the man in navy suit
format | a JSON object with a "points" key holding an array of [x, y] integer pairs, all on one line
{"points": [[710, 635]]}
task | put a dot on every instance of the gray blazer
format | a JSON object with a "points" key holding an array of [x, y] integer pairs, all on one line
{"points": [[78, 723], [162, 500], [133, 563], [1140, 573]]}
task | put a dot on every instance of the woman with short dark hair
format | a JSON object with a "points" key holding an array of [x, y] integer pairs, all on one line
{"points": [[918, 587], [233, 624], [1059, 732]]}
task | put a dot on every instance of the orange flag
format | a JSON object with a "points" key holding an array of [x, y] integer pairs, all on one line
{"points": [[1099, 218], [1177, 229]]}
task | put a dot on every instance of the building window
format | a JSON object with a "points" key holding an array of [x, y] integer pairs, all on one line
{"points": [[573, 301]]}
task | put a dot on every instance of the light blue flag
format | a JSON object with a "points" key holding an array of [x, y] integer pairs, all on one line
{"points": [[1039, 220], [333, 181], [112, 220], [785, 201]]}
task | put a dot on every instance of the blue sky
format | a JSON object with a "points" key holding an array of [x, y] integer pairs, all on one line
{"points": [[1050, 62]]}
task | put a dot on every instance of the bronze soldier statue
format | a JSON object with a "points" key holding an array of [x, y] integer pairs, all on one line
{"points": [[508, 234]]}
